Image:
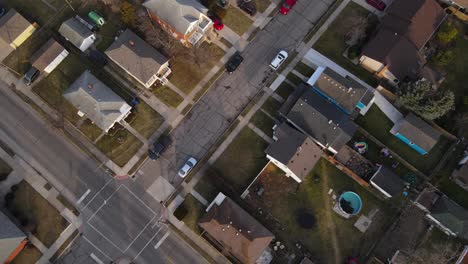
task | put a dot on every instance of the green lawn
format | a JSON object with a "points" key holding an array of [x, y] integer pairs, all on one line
{"points": [[5, 170], [237, 20], [36, 214], [29, 255], [208, 84], [271, 106], [304, 69], [284, 90], [377, 124], [167, 96], [294, 78], [262, 5], [206, 188], [90, 130], [187, 71], [145, 119], [107, 34], [263, 122], [194, 211], [332, 42], [285, 200], [242, 160], [119, 145]]}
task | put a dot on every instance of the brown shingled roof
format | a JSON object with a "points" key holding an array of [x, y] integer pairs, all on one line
{"points": [[46, 54], [237, 231], [12, 24]]}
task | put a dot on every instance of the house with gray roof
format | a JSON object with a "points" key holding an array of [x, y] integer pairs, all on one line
{"points": [[293, 152], [460, 174], [12, 239], [49, 56], [15, 29], [387, 182], [317, 117], [77, 33], [185, 20], [139, 59], [416, 133], [96, 101], [444, 213], [345, 92]]}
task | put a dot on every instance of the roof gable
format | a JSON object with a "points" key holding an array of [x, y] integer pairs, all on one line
{"points": [[12, 24], [46, 54], [74, 31]]}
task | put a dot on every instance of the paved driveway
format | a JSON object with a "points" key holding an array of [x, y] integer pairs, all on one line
{"points": [[211, 116]]}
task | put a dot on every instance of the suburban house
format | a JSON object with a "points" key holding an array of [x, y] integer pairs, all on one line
{"points": [[444, 213], [139, 59], [460, 175], [293, 152], [96, 101], [185, 20], [416, 133], [12, 239], [49, 56], [387, 182], [318, 118], [345, 92], [77, 33], [234, 232], [394, 52], [15, 29]]}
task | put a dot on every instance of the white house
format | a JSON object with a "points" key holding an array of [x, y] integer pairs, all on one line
{"points": [[77, 33]]}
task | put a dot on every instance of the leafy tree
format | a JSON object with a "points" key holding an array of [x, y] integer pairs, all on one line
{"points": [[127, 13], [424, 101], [444, 58], [447, 33]]}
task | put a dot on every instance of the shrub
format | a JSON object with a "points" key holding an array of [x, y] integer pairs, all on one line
{"points": [[127, 13], [447, 33], [354, 51], [443, 58]]}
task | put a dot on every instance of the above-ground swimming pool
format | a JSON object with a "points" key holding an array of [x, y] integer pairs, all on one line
{"points": [[350, 203]]}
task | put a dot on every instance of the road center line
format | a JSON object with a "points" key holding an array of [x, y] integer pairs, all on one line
{"points": [[162, 240], [83, 196]]}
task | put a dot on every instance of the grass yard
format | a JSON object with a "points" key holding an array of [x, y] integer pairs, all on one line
{"points": [[39, 12], [304, 69], [242, 160], [36, 214], [284, 90], [188, 71], [206, 188], [263, 122], [119, 145], [145, 119], [237, 20], [167, 96], [262, 5], [376, 123], [5, 170], [271, 106], [29, 255], [332, 42], [294, 78], [208, 84], [189, 212], [107, 33], [90, 130], [283, 200]]}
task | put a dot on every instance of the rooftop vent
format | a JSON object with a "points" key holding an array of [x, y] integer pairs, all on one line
{"points": [[131, 42], [90, 86]]}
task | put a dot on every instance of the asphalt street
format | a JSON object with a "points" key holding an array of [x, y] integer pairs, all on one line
{"points": [[120, 220], [211, 116]]}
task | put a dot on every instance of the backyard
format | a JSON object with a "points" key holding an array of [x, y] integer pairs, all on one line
{"points": [[379, 125], [242, 160], [330, 238], [35, 213], [332, 43]]}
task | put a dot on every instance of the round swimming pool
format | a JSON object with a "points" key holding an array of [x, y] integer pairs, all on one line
{"points": [[350, 203]]}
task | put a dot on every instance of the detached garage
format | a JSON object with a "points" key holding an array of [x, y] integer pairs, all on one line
{"points": [[49, 56]]}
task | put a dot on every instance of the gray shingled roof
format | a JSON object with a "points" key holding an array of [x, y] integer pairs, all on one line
{"points": [[136, 56], [295, 150], [388, 181], [74, 31], [177, 13], [12, 24], [318, 118], [10, 237], [97, 101], [418, 131], [451, 215]]}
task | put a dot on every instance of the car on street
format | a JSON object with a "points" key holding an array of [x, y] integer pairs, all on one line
{"points": [[159, 147], [286, 6], [188, 166], [247, 6], [234, 62], [278, 60], [378, 4], [31, 75]]}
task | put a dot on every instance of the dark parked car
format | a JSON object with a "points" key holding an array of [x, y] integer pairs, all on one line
{"points": [[159, 147], [31, 75], [234, 62], [379, 4], [248, 7]]}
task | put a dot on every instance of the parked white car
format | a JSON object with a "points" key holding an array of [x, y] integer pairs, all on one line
{"points": [[278, 60], [188, 166]]}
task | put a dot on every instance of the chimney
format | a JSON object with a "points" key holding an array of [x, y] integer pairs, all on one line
{"points": [[131, 42]]}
